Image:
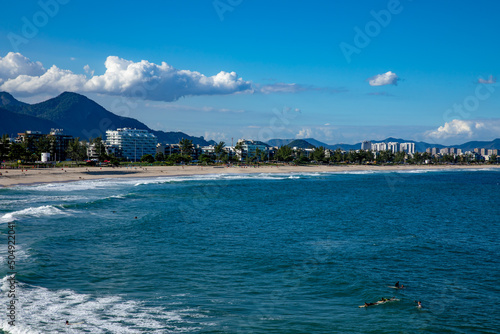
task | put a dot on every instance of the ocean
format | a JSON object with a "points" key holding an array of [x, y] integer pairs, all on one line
{"points": [[254, 253]]}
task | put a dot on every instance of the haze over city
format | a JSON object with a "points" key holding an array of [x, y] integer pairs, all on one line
{"points": [[335, 71]]}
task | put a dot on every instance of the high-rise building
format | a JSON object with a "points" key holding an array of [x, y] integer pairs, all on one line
{"points": [[366, 145], [132, 144], [393, 147], [407, 147]]}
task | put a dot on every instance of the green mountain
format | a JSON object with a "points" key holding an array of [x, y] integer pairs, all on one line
{"points": [[300, 143], [12, 123], [77, 115], [7, 100]]}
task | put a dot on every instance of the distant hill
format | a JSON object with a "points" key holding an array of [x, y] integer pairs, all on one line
{"points": [[471, 145], [300, 143], [77, 115], [315, 142], [12, 123], [8, 100], [282, 142], [419, 145]]}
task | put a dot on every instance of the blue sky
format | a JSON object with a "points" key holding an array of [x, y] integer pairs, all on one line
{"points": [[338, 71]]}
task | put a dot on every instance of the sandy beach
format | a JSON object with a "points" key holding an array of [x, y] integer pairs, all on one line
{"points": [[12, 177]]}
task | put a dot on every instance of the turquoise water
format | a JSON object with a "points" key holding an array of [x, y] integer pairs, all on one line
{"points": [[263, 253]]}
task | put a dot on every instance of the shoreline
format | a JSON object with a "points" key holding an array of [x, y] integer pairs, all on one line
{"points": [[27, 177]]}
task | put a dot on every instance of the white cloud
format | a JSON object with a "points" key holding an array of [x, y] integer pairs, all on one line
{"points": [[88, 70], [466, 129], [217, 136], [388, 78], [304, 133], [15, 64], [53, 81], [122, 77], [490, 80]]}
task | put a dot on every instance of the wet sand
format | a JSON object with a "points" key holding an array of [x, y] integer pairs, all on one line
{"points": [[11, 177]]}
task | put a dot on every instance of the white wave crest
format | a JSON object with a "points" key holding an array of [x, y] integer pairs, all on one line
{"points": [[40, 310], [46, 210]]}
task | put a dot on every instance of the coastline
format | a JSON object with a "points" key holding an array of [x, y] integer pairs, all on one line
{"points": [[15, 177]]}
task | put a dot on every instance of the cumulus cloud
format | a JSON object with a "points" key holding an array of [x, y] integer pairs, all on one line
{"points": [[489, 81], [388, 78], [15, 64], [122, 77], [304, 133], [53, 81], [466, 129]]}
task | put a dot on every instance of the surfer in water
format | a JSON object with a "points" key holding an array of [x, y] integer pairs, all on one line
{"points": [[419, 304], [396, 284]]}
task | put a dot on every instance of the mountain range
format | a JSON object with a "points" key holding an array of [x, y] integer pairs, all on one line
{"points": [[419, 146], [81, 117], [77, 115]]}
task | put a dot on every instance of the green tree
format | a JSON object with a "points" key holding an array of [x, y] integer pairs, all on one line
{"points": [[385, 156], [263, 156], [493, 159], [4, 147], [76, 150], [337, 156], [205, 158], [147, 158], [100, 148], [219, 149], [284, 153], [44, 144], [160, 156], [318, 154], [186, 146], [18, 152], [399, 157]]}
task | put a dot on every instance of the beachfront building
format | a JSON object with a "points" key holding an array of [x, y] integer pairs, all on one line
{"points": [[366, 145], [250, 148], [57, 141], [409, 148], [132, 143]]}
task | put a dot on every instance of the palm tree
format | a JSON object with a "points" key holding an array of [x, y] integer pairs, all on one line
{"points": [[186, 146], [4, 147], [76, 151], [219, 148]]}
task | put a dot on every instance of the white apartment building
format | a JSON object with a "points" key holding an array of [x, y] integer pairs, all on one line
{"points": [[394, 147], [132, 144], [409, 148], [250, 147]]}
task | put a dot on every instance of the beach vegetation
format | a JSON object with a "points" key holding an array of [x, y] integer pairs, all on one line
{"points": [[147, 158]]}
